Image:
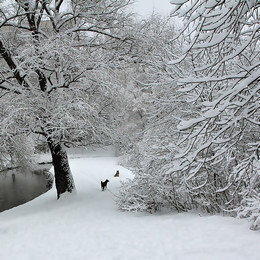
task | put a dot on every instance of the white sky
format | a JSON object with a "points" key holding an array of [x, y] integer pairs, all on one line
{"points": [[146, 7]]}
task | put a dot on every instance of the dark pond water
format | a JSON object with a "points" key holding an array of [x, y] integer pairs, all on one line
{"points": [[18, 186]]}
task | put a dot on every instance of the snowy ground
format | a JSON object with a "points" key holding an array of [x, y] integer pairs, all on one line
{"points": [[88, 225]]}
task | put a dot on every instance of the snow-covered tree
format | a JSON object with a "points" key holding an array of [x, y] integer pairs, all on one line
{"points": [[154, 144], [58, 61], [200, 148], [220, 144]]}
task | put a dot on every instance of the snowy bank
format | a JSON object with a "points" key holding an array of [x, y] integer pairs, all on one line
{"points": [[88, 225]]}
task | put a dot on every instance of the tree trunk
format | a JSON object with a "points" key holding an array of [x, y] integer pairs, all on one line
{"points": [[63, 177]]}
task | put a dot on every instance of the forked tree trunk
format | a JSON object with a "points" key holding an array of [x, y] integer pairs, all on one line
{"points": [[63, 177]]}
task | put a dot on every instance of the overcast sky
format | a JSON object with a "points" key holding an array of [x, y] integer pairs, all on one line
{"points": [[146, 7]]}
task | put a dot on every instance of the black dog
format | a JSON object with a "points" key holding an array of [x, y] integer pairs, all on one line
{"points": [[104, 184]]}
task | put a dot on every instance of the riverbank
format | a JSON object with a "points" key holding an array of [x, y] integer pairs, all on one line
{"points": [[19, 185], [88, 225]]}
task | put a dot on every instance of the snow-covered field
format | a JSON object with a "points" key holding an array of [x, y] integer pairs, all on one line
{"points": [[88, 225]]}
